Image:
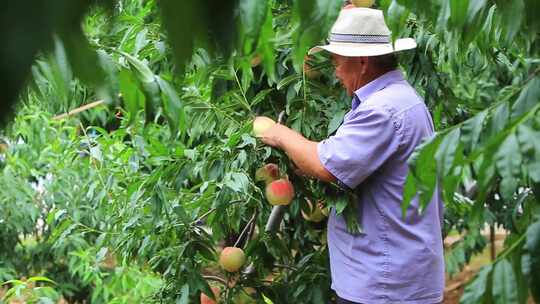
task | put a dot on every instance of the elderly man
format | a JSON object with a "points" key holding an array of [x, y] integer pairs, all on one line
{"points": [[395, 259]]}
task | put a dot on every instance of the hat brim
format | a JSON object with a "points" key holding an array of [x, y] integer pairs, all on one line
{"points": [[365, 49]]}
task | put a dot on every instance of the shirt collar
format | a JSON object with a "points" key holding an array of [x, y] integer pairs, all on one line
{"points": [[374, 86]]}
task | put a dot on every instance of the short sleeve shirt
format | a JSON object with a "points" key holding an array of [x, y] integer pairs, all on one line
{"points": [[395, 259]]}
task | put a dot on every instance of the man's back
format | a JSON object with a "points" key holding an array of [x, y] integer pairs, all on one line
{"points": [[395, 260]]}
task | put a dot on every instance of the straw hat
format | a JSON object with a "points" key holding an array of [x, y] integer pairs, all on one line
{"points": [[362, 32]]}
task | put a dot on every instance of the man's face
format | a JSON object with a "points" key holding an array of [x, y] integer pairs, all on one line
{"points": [[349, 71]]}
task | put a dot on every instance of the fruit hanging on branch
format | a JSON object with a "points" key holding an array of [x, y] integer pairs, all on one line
{"points": [[268, 173], [363, 3], [317, 212], [232, 259], [280, 192], [207, 300], [261, 124]]}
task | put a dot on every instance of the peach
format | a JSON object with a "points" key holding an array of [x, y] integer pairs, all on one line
{"points": [[268, 173], [207, 300], [232, 259], [261, 124], [280, 192]]}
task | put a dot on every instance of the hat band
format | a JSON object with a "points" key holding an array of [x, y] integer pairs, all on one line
{"points": [[359, 38]]}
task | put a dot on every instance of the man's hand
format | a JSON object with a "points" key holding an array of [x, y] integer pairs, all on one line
{"points": [[274, 135], [302, 151]]}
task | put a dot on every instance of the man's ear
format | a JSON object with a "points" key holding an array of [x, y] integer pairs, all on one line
{"points": [[364, 65]]}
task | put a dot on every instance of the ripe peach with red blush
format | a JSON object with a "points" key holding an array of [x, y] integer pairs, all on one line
{"points": [[280, 192]]}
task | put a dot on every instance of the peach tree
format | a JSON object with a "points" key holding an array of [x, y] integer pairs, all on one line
{"points": [[134, 200]]}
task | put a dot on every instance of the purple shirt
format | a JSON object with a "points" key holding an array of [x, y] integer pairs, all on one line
{"points": [[394, 260]]}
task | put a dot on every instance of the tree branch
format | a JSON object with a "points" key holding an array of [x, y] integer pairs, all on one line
{"points": [[79, 110], [246, 229]]}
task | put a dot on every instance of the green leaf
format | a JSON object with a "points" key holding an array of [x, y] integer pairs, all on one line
{"points": [[62, 61], [237, 182], [533, 247], [340, 204], [202, 285], [41, 279], [101, 254], [82, 57], [198, 23], [335, 122], [475, 7], [267, 300], [173, 107], [142, 71], [424, 168], [471, 130], [266, 46], [409, 192], [508, 163], [184, 295], [287, 80], [13, 282], [314, 19], [504, 283], [534, 171], [475, 291], [476, 16], [528, 140], [141, 41], [446, 152], [528, 99], [183, 21], [444, 16], [512, 13], [499, 119], [485, 167], [252, 16], [396, 18], [458, 13], [531, 8], [62, 230], [133, 97], [260, 97]]}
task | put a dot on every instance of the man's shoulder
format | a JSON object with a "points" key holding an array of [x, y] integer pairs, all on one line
{"points": [[396, 97]]}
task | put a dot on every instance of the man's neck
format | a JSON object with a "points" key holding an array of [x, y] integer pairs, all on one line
{"points": [[374, 74]]}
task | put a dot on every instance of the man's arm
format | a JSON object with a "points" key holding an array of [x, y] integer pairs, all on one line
{"points": [[302, 151]]}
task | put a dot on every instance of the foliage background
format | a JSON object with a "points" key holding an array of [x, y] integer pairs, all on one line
{"points": [[140, 193]]}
